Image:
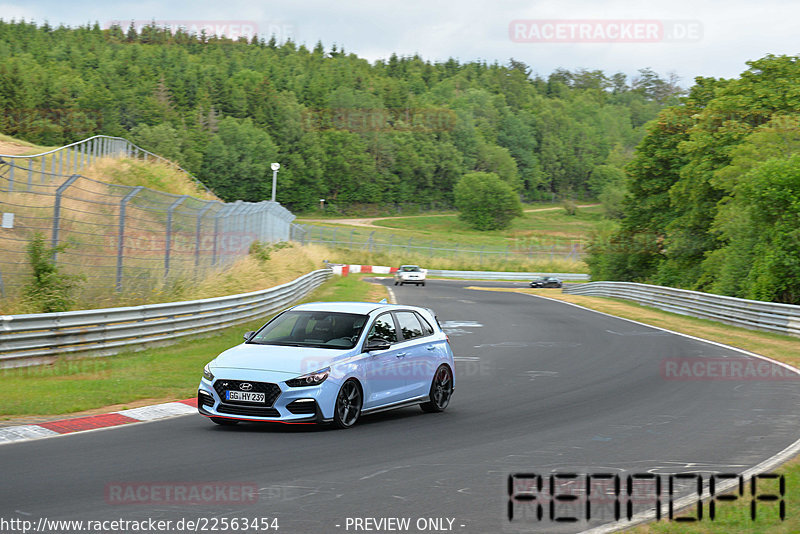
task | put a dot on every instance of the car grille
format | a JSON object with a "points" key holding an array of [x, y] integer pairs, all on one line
{"points": [[204, 399], [297, 407], [271, 391], [248, 410]]}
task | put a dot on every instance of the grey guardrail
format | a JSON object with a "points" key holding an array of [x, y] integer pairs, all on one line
{"points": [[753, 314], [36, 338], [491, 275]]}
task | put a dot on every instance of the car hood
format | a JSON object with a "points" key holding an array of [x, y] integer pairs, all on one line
{"points": [[291, 360]]}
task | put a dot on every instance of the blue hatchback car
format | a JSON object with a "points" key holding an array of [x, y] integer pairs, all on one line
{"points": [[331, 362]]}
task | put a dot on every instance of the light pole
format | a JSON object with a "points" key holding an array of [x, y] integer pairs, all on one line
{"points": [[275, 167]]}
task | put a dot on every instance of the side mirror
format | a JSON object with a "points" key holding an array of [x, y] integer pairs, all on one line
{"points": [[248, 335], [377, 343]]}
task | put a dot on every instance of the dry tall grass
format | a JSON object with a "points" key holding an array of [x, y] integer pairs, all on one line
{"points": [[153, 174]]}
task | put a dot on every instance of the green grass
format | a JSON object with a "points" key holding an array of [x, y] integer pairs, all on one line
{"points": [[541, 241], [734, 517], [537, 228], [534, 227], [162, 374]]}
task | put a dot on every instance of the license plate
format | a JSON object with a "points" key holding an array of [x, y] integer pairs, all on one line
{"points": [[245, 396]]}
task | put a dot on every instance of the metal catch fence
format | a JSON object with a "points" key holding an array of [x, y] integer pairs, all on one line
{"points": [[119, 237], [381, 241]]}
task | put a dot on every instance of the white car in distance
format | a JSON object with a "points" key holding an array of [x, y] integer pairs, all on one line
{"points": [[410, 274]]}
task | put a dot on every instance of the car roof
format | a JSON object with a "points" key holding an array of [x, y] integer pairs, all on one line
{"points": [[362, 308]]}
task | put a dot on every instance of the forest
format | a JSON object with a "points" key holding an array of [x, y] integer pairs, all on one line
{"points": [[394, 132], [713, 200]]}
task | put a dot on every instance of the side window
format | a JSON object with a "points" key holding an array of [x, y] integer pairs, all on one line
{"points": [[426, 327], [409, 325], [383, 328]]}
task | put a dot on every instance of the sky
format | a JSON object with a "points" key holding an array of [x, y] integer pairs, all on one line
{"points": [[681, 37]]}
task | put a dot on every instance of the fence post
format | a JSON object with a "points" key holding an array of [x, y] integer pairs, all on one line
{"points": [[369, 241], [351, 238], [197, 235], [333, 239], [223, 212], [57, 211], [30, 174], [10, 174], [121, 235], [261, 220], [251, 220], [168, 242]]}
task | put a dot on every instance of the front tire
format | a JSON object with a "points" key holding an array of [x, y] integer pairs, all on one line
{"points": [[395, 282], [348, 405], [441, 391]]}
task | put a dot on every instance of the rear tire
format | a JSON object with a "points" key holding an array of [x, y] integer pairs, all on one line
{"points": [[395, 282], [441, 391], [224, 422]]}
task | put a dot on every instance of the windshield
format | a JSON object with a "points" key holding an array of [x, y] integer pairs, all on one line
{"points": [[330, 330], [410, 269]]}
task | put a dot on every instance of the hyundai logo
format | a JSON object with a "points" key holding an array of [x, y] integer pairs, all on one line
{"points": [[246, 386]]}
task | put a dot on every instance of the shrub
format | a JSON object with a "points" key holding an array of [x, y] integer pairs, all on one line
{"points": [[48, 289], [486, 202]]}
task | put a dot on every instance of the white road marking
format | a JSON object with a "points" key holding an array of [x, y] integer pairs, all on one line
{"points": [[158, 411], [24, 432]]}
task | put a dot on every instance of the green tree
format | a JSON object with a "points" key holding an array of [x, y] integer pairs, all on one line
{"points": [[236, 164], [486, 202], [761, 225]]}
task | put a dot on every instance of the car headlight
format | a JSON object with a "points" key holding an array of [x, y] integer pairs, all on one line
{"points": [[310, 379], [207, 374]]}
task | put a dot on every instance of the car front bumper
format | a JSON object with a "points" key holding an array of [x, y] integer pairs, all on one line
{"points": [[210, 404]]}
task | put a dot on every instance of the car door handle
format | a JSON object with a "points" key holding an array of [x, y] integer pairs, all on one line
{"points": [[401, 354], [431, 347]]}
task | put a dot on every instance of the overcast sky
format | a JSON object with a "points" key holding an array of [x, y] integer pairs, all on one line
{"points": [[691, 37]]}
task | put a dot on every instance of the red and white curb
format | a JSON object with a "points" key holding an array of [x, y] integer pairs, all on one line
{"points": [[344, 270], [15, 434]]}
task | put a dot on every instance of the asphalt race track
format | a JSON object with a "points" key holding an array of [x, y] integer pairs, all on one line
{"points": [[541, 386]]}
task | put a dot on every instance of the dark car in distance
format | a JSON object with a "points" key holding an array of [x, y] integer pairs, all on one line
{"points": [[547, 281]]}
